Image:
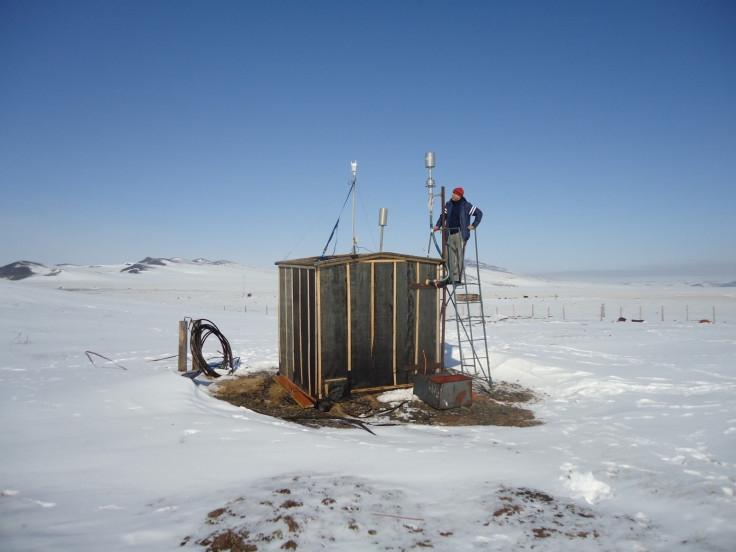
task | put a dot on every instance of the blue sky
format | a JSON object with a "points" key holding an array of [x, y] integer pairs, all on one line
{"points": [[595, 136]]}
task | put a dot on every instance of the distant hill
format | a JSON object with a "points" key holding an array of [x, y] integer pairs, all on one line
{"points": [[145, 264], [25, 269], [152, 262], [484, 266], [490, 274], [20, 270]]}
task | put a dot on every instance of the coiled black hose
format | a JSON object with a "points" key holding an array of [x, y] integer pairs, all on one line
{"points": [[200, 331]]}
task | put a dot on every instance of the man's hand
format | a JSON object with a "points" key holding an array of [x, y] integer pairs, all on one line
{"points": [[471, 227], [435, 228]]}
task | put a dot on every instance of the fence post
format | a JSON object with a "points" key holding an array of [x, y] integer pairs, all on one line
{"points": [[182, 345]]}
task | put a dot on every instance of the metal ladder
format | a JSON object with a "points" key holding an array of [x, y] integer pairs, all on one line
{"points": [[467, 300]]}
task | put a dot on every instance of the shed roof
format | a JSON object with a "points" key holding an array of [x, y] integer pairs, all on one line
{"points": [[349, 258]]}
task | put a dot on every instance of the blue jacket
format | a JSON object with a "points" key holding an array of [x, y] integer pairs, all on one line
{"points": [[467, 210]]}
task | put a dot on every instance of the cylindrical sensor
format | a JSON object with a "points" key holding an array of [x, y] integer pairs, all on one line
{"points": [[383, 216], [429, 160]]}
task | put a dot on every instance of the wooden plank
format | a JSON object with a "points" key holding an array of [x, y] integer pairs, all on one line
{"points": [[296, 291], [304, 314], [439, 321], [301, 398], [349, 317], [318, 329], [395, 307], [285, 310], [312, 375], [294, 328], [373, 306], [281, 318], [407, 324], [384, 388], [470, 297], [417, 319], [335, 388], [182, 346]]}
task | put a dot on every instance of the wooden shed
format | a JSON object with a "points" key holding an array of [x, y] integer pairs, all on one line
{"points": [[356, 323]]}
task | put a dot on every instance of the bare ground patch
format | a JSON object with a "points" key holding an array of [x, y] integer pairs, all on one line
{"points": [[503, 405], [319, 512]]}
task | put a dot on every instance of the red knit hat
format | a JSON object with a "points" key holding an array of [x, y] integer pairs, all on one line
{"points": [[459, 191]]}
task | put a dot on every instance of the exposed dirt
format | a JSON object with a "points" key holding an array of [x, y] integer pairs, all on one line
{"points": [[501, 406], [336, 513]]}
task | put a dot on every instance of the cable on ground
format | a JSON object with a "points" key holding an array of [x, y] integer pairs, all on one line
{"points": [[200, 331]]}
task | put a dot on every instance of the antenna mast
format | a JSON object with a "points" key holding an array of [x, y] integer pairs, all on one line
{"points": [[354, 168], [429, 163]]}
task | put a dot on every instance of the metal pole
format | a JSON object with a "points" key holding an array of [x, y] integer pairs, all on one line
{"points": [[354, 168], [382, 220], [429, 164], [442, 226]]}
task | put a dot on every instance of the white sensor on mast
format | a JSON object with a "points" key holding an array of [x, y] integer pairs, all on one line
{"points": [[429, 163]]}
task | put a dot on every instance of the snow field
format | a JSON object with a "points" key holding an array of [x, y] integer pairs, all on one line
{"points": [[636, 452]]}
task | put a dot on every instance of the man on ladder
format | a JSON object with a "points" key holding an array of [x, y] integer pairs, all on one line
{"points": [[457, 221]]}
